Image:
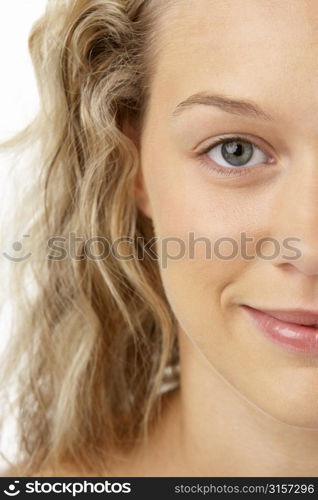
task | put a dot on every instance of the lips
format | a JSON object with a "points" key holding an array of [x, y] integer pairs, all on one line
{"points": [[290, 329], [293, 316]]}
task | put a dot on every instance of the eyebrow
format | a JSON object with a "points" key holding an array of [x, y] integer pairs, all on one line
{"points": [[227, 104]]}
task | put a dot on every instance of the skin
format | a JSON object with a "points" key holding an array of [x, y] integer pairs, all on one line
{"points": [[246, 406]]}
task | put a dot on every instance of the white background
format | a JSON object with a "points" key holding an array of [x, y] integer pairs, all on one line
{"points": [[18, 104]]}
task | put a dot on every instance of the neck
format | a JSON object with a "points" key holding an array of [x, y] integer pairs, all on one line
{"points": [[221, 433]]}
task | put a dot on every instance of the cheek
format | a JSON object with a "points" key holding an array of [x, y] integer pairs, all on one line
{"points": [[193, 221]]}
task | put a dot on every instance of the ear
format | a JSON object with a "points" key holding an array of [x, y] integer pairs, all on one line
{"points": [[142, 200]]}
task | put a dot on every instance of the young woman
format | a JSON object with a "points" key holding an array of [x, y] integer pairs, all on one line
{"points": [[174, 246]]}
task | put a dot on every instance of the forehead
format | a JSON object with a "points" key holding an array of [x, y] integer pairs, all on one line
{"points": [[245, 48]]}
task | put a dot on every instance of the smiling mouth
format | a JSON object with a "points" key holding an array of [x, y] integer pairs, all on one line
{"points": [[296, 336]]}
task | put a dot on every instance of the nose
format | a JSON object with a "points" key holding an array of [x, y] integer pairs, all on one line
{"points": [[306, 263], [296, 217]]}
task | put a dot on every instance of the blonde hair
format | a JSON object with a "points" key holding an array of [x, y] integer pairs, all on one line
{"points": [[95, 337]]}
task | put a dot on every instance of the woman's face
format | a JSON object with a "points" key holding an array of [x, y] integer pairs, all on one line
{"points": [[263, 53]]}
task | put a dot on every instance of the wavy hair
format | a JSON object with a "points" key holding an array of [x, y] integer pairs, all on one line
{"points": [[93, 339]]}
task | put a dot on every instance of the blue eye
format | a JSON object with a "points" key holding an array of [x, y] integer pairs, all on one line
{"points": [[234, 156], [236, 153]]}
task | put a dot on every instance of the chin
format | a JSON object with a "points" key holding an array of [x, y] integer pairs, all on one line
{"points": [[294, 408], [302, 419]]}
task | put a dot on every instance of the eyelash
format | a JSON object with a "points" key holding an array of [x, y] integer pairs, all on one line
{"points": [[227, 171]]}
